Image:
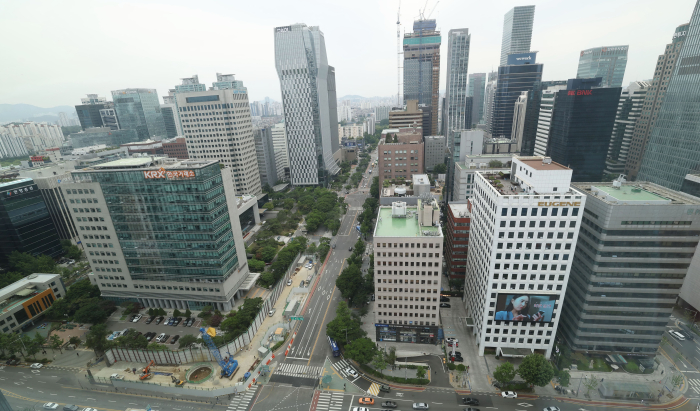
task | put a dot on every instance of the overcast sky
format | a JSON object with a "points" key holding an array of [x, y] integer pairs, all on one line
{"points": [[55, 52]]}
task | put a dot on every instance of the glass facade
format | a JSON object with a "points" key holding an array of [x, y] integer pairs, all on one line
{"points": [[512, 81], [477, 84], [517, 31], [139, 109], [170, 118], [25, 223], [582, 124], [455, 107], [171, 229], [89, 115], [673, 150], [606, 62], [421, 69], [407, 333]]}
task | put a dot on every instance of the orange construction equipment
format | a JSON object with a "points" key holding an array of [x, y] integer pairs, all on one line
{"points": [[145, 374]]}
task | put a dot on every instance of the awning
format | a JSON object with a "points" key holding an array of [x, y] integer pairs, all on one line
{"points": [[26, 291], [249, 282], [516, 352]]}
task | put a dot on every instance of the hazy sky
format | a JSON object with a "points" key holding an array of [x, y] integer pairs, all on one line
{"points": [[55, 52]]}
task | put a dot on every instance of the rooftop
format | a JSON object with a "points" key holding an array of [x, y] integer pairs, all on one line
{"points": [[22, 290], [459, 209], [638, 192], [538, 164], [17, 181], [388, 226]]}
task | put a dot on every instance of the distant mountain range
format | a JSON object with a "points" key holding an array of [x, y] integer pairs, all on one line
{"points": [[28, 112]]}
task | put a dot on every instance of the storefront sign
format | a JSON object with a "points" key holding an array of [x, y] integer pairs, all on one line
{"points": [[558, 204], [19, 191], [580, 92], [169, 174]]}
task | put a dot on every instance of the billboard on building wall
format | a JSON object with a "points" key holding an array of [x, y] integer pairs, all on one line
{"points": [[525, 307], [521, 58]]}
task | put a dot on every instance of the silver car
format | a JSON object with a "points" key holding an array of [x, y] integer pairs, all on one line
{"points": [[420, 406]]}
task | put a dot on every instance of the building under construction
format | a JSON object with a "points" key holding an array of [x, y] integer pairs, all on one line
{"points": [[421, 70]]}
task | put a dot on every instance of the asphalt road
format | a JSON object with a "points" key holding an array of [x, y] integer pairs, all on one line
{"points": [[27, 388]]}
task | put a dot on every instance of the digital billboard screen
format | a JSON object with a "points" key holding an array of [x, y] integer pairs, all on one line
{"points": [[525, 307]]}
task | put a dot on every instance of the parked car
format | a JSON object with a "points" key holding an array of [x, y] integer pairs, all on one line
{"points": [[359, 409], [71, 407], [12, 361], [190, 321], [551, 409], [366, 401], [289, 282], [509, 394], [444, 300], [458, 359], [445, 305], [470, 401], [389, 404], [116, 377], [160, 337], [420, 406], [351, 372], [350, 249], [149, 336], [174, 340], [272, 312], [159, 320], [171, 320], [177, 321], [50, 406], [150, 319], [36, 365], [471, 409], [137, 318]]}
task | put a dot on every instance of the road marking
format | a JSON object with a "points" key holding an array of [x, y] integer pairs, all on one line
{"points": [[92, 399], [524, 404], [324, 317]]}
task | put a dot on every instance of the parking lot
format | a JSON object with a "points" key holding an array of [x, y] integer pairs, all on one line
{"points": [[141, 326]]}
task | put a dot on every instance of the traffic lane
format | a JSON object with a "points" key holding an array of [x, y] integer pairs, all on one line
{"points": [[280, 397]]}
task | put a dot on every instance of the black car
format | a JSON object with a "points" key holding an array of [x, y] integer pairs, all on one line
{"points": [[445, 305], [444, 300], [350, 249], [470, 401], [458, 359], [177, 321], [459, 354], [150, 319], [471, 409], [389, 404], [159, 320], [174, 340]]}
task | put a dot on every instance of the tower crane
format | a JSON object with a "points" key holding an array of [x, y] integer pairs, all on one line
{"points": [[227, 367]]}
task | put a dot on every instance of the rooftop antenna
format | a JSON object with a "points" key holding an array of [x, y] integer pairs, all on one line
{"points": [[398, 56]]}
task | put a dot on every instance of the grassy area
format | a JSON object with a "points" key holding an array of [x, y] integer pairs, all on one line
{"points": [[14, 161]]}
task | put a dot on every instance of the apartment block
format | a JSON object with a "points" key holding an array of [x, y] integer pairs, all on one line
{"points": [[457, 239]]}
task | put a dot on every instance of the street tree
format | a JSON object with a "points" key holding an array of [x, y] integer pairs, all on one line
{"points": [[55, 342], [536, 370], [343, 328], [74, 340], [96, 339], [504, 373], [590, 384], [676, 381], [391, 356], [379, 361], [361, 350], [154, 346], [420, 372], [564, 378], [187, 340], [461, 368]]}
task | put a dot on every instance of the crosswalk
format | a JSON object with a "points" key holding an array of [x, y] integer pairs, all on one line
{"points": [[373, 389], [341, 366], [241, 402], [329, 401], [694, 385], [295, 370]]}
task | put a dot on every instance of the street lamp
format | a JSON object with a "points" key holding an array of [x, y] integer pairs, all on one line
{"points": [[579, 384]]}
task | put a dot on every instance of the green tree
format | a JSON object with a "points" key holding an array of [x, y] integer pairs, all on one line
{"points": [[9, 278], [420, 372], [132, 340], [564, 378], [495, 164], [288, 204], [361, 350], [311, 249], [590, 383], [350, 282], [188, 313], [676, 381], [269, 253], [344, 323], [91, 313], [461, 368], [440, 169], [55, 342], [177, 313], [391, 356], [379, 361], [154, 346], [187, 340], [504, 373], [34, 345], [74, 340], [71, 250], [536, 370], [96, 339], [256, 265]]}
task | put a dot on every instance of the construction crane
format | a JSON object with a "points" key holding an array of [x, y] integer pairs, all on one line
{"points": [[398, 56], [227, 367]]}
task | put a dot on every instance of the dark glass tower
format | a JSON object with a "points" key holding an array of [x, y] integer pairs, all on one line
{"points": [[513, 79], [674, 145], [582, 124], [25, 223]]}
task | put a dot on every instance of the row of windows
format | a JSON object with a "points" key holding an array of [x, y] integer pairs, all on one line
{"points": [[95, 228], [181, 288], [383, 254], [112, 253], [96, 237], [526, 256], [401, 298], [656, 222], [87, 210], [99, 245], [520, 340], [543, 267], [418, 315], [402, 264], [538, 246], [408, 245], [410, 290], [83, 201], [543, 213], [552, 224], [79, 191], [86, 219], [515, 331], [422, 307], [382, 321], [385, 281], [531, 235]]}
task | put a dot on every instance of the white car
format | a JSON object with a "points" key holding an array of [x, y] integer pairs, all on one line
{"points": [[420, 406], [50, 406], [552, 409], [160, 337], [36, 365], [289, 282], [137, 318], [116, 377], [359, 409], [89, 409], [509, 394], [349, 371]]}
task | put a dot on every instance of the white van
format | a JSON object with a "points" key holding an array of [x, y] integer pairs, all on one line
{"points": [[678, 336]]}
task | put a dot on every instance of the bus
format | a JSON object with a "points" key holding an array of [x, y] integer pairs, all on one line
{"points": [[334, 347]]}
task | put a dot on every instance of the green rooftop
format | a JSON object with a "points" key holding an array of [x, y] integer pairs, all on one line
{"points": [[630, 193], [387, 226]]}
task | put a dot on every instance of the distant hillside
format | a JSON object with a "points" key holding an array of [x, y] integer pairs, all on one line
{"points": [[28, 112], [351, 97]]}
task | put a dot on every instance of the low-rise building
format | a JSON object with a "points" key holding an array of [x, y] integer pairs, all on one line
{"points": [[23, 302], [408, 248], [457, 239], [175, 148]]}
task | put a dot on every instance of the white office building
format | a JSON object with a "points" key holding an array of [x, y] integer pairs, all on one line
{"points": [[524, 229], [465, 170], [408, 248], [279, 143], [544, 122], [382, 113], [217, 126]]}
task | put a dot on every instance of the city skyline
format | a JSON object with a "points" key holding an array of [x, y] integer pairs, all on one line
{"points": [[557, 39]]}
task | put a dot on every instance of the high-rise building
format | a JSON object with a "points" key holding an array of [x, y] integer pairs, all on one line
{"points": [[665, 65], [489, 97], [125, 211], [408, 243], [421, 69], [434, 151], [11, 146], [629, 110], [109, 117], [344, 113], [89, 111], [190, 84], [454, 109], [520, 253], [139, 109], [308, 94], [544, 123], [279, 143], [217, 126], [582, 124], [457, 239], [400, 154], [477, 84], [636, 244], [265, 154], [467, 143], [519, 111], [381, 113], [606, 62], [36, 137], [521, 73], [468, 110], [25, 222], [369, 125], [171, 117], [517, 31]]}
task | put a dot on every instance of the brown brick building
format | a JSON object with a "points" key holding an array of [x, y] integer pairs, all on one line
{"points": [[457, 239], [176, 148], [400, 155]]}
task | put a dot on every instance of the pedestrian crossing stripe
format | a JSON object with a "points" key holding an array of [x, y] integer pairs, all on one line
{"points": [[373, 389], [329, 402], [694, 385], [295, 370], [241, 402], [341, 366]]}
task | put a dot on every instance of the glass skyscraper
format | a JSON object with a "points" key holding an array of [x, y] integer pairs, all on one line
{"points": [[477, 84], [421, 70], [454, 108], [674, 145], [308, 96], [512, 81], [517, 31], [606, 62], [139, 109]]}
